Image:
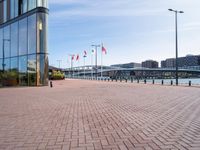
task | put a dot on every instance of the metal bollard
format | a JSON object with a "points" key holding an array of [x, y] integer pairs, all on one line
{"points": [[190, 83], [171, 82], [138, 81], [153, 82], [51, 84], [131, 79], [126, 80], [145, 81], [120, 79], [162, 82]]}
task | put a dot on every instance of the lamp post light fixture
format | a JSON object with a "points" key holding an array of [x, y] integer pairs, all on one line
{"points": [[96, 67], [3, 63], [176, 36]]}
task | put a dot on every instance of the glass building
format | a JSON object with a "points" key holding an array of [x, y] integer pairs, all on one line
{"points": [[23, 42]]}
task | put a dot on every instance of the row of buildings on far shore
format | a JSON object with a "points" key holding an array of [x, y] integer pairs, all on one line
{"points": [[183, 62]]}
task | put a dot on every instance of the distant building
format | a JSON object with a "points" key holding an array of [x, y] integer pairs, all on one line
{"points": [[150, 64], [128, 65], [187, 61]]}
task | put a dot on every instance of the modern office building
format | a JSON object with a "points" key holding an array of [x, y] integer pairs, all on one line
{"points": [[23, 42], [183, 62], [128, 65], [150, 64]]}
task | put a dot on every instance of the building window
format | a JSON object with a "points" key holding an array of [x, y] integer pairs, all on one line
{"points": [[17, 10], [12, 9], [14, 70], [32, 34], [4, 10], [25, 5], [23, 37], [32, 70], [23, 80], [42, 3], [6, 40], [7, 64], [42, 33], [31, 4], [1, 66], [14, 39], [1, 43]]}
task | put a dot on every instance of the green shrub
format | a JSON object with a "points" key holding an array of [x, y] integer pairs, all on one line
{"points": [[57, 75]]}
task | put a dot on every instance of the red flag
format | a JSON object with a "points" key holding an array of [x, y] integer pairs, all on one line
{"points": [[72, 57], [104, 50], [85, 54], [77, 57]]}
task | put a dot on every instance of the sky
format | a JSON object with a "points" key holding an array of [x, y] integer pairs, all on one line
{"points": [[130, 30]]}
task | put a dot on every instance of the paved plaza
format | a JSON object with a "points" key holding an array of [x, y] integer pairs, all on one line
{"points": [[95, 115]]}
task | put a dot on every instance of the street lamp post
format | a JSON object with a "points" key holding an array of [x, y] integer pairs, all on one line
{"points": [[176, 36], [3, 63], [96, 71]]}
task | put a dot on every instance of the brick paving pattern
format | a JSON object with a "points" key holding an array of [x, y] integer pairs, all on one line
{"points": [[91, 115]]}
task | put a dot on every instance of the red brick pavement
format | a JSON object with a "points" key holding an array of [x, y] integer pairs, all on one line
{"points": [[88, 115]]}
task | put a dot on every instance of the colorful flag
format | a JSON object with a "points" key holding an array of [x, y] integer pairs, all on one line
{"points": [[77, 57], [104, 50], [72, 57], [85, 54]]}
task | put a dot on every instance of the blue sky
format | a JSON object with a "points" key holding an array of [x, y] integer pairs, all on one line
{"points": [[131, 30]]}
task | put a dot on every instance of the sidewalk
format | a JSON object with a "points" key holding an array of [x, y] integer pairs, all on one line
{"points": [[88, 115]]}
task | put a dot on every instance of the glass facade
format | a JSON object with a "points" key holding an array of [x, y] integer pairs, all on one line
{"points": [[23, 45]]}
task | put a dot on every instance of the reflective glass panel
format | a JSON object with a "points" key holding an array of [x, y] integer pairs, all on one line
{"points": [[23, 80], [25, 4], [31, 4], [23, 37], [14, 70], [42, 33], [1, 43], [42, 3], [12, 9], [1, 64], [5, 10], [32, 70], [7, 64], [14, 64], [14, 39], [6, 41], [16, 8], [32, 34], [42, 69]]}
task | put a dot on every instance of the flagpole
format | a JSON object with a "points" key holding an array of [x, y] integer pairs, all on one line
{"points": [[84, 66], [92, 56], [78, 67], [101, 59]]}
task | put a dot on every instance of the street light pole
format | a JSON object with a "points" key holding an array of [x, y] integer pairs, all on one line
{"points": [[176, 36], [96, 71]]}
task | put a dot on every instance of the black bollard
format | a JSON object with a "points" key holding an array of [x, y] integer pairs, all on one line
{"points": [[138, 81], [153, 82], [145, 81], [131, 79], [162, 82], [51, 84], [190, 83], [126, 80], [171, 82]]}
